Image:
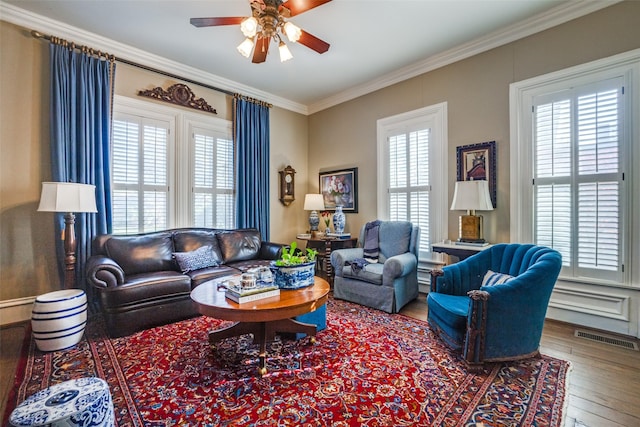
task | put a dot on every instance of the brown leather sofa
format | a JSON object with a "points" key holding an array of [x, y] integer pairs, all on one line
{"points": [[145, 280]]}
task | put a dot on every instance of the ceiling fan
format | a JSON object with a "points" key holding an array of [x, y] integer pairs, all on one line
{"points": [[269, 21]]}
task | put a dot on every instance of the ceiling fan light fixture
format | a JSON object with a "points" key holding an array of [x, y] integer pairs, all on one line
{"points": [[267, 23], [292, 31], [246, 47], [249, 27], [285, 53]]}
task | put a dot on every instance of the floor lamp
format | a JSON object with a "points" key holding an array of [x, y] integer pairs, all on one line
{"points": [[68, 197]]}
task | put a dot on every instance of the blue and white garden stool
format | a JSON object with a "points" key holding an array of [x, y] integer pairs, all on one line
{"points": [[82, 402], [58, 319]]}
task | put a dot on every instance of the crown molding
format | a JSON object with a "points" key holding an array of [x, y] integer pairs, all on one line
{"points": [[32, 21], [553, 17]]}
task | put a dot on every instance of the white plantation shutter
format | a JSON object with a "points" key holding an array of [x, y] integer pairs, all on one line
{"points": [[409, 187], [140, 174], [213, 187], [577, 177]]}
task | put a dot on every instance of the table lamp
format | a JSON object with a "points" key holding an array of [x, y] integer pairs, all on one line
{"points": [[68, 197], [313, 203], [471, 196]]}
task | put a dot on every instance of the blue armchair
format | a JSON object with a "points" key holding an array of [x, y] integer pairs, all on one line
{"points": [[491, 306], [388, 284]]}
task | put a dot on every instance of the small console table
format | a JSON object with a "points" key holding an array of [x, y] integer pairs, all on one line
{"points": [[324, 246], [458, 250]]}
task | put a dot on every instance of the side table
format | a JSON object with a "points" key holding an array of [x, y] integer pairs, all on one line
{"points": [[324, 246], [458, 250]]}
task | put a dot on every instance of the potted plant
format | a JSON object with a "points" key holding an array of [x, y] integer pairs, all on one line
{"points": [[294, 269]]}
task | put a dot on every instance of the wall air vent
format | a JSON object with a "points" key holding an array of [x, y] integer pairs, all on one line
{"points": [[607, 339]]}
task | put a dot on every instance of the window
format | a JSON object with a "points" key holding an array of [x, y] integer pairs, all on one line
{"points": [[412, 162], [213, 189], [570, 176], [577, 177], [170, 169], [140, 173]]}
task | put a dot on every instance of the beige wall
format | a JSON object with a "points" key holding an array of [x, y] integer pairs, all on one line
{"points": [[289, 146], [477, 92], [27, 258]]}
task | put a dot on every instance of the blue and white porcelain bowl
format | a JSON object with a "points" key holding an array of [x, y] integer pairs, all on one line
{"points": [[58, 319], [82, 402], [295, 276]]}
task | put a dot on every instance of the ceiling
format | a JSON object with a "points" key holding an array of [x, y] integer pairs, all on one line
{"points": [[373, 42]]}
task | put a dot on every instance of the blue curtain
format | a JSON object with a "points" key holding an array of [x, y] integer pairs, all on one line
{"points": [[81, 95], [251, 131]]}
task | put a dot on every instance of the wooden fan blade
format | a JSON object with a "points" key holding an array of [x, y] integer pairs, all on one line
{"points": [[212, 22], [312, 42], [298, 6], [260, 50]]}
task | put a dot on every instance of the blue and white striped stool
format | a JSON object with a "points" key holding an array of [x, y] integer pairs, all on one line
{"points": [[81, 402], [58, 319]]}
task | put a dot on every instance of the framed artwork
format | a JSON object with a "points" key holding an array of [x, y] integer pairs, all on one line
{"points": [[478, 162], [340, 188]]}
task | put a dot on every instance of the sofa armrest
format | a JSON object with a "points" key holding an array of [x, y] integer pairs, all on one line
{"points": [[270, 250], [341, 256], [104, 272], [398, 266]]}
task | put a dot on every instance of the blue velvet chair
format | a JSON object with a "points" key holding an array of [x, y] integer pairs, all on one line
{"points": [[487, 320], [388, 284]]}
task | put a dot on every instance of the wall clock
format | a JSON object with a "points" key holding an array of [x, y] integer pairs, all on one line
{"points": [[287, 185]]}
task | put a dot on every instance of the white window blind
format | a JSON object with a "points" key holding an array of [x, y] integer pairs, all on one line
{"points": [[408, 188], [578, 178], [213, 186], [140, 165], [411, 157]]}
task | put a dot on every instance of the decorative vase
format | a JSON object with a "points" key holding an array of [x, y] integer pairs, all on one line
{"points": [[314, 220], [294, 276], [339, 220]]}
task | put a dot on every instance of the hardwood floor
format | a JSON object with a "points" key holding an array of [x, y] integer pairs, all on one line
{"points": [[604, 384], [11, 339]]}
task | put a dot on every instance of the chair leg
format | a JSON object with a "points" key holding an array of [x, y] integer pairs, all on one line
{"points": [[474, 367]]}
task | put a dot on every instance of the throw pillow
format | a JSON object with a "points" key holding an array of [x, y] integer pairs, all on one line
{"points": [[492, 278], [195, 260]]}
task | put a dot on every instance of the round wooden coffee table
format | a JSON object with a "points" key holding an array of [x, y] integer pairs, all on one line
{"points": [[262, 318]]}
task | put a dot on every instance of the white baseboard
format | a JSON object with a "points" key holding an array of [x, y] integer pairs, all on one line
{"points": [[16, 310]]}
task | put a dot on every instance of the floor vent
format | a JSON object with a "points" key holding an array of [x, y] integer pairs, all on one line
{"points": [[607, 339]]}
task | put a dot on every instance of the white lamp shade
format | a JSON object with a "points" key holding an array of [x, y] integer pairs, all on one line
{"points": [[249, 27], [313, 202], [246, 47], [285, 53], [293, 32], [472, 195], [67, 197]]}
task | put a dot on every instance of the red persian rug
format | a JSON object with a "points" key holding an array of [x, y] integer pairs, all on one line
{"points": [[367, 368]]}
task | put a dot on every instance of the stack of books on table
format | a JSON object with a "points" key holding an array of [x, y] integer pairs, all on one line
{"points": [[339, 235], [241, 295]]}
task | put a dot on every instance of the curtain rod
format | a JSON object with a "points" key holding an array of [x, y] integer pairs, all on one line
{"points": [[52, 39]]}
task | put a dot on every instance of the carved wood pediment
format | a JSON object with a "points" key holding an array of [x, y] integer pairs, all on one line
{"points": [[179, 94]]}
